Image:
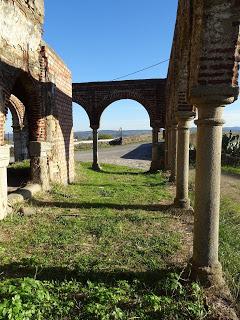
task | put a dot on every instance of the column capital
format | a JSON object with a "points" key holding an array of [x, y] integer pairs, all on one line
{"points": [[185, 115], [207, 96], [210, 115], [155, 128], [184, 118], [4, 156], [94, 126]]}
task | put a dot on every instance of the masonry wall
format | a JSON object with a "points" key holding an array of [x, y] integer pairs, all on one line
{"points": [[33, 72], [20, 35], [205, 52], [59, 115]]}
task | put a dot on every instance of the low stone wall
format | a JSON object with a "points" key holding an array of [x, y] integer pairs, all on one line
{"points": [[136, 139]]}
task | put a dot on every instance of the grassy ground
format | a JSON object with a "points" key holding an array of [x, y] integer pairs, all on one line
{"points": [[102, 248], [230, 244], [106, 247], [229, 237], [231, 170]]}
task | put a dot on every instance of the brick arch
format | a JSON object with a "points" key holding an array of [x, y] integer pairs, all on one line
{"points": [[17, 109], [95, 97], [28, 91], [84, 106]]}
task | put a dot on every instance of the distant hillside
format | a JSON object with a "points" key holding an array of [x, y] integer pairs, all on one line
{"points": [[225, 129], [83, 135]]}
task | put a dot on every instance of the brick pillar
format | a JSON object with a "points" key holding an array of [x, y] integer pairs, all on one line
{"points": [[182, 200], [95, 164], [39, 154], [4, 161]]}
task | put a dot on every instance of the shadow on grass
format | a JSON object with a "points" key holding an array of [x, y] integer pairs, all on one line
{"points": [[123, 173], [147, 184], [25, 269], [88, 205]]}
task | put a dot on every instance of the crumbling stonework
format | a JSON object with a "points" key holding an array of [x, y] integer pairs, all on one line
{"points": [[33, 77], [20, 128]]}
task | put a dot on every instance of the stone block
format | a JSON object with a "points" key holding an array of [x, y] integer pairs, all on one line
{"points": [[4, 156], [39, 149]]}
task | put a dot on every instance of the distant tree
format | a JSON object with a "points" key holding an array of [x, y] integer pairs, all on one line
{"points": [[105, 136]]}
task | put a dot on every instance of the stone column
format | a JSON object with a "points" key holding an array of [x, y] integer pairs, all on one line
{"points": [[4, 161], [39, 154], [167, 148], [95, 165], [207, 192], [184, 119], [155, 164], [173, 152]]}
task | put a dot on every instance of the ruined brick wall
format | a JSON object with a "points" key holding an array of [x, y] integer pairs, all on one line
{"points": [[205, 53], [178, 72], [21, 33], [59, 113], [20, 36], [32, 72], [215, 49]]}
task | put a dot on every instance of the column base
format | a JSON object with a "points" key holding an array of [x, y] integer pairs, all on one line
{"points": [[96, 167], [208, 276], [172, 178], [182, 203], [155, 166]]}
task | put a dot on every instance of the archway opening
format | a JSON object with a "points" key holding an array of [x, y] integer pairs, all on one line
{"points": [[81, 123], [82, 133], [128, 122], [16, 135], [28, 125]]}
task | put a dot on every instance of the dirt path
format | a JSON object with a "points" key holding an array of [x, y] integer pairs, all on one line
{"points": [[230, 185], [132, 155]]}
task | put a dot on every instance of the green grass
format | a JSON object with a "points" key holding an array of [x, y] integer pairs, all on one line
{"points": [[20, 165], [230, 243], [232, 170], [101, 248]]}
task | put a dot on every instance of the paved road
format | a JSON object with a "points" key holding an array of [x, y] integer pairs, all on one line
{"points": [[133, 155]]}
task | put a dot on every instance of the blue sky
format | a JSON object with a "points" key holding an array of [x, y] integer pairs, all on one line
{"points": [[102, 40]]}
